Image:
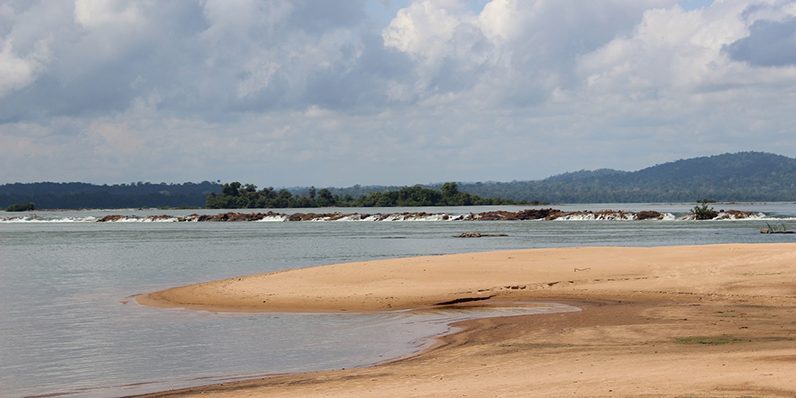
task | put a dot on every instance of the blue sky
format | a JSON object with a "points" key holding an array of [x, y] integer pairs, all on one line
{"points": [[694, 4], [322, 93]]}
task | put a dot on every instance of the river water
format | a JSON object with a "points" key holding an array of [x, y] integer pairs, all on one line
{"points": [[67, 327]]}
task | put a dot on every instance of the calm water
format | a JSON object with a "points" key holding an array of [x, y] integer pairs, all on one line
{"points": [[64, 326]]}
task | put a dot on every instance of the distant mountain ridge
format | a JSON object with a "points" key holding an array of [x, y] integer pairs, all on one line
{"points": [[743, 176], [80, 195], [581, 175]]}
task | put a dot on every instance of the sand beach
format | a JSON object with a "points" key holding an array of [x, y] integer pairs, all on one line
{"points": [[714, 320]]}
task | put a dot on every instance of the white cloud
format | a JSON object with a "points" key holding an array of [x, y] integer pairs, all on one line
{"points": [[323, 93], [103, 13], [673, 52], [426, 28], [19, 71], [511, 52], [259, 75]]}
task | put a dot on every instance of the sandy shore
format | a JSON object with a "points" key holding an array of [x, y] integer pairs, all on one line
{"points": [[715, 320]]}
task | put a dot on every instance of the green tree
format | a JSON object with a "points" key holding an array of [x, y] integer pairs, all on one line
{"points": [[450, 189], [704, 212], [325, 198], [21, 207], [231, 189], [235, 195], [311, 193]]}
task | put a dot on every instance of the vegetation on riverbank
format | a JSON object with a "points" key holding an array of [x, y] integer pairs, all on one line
{"points": [[21, 207], [241, 196]]}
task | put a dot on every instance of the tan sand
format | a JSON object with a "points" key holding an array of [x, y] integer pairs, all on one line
{"points": [[715, 320]]}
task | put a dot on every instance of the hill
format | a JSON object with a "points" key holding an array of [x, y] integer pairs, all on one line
{"points": [[744, 176], [79, 195]]}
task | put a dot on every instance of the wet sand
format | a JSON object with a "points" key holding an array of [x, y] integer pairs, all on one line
{"points": [[716, 320]]}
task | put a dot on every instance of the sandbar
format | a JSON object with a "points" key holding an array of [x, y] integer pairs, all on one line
{"points": [[709, 320]]}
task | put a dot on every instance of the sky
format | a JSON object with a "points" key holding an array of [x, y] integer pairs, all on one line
{"points": [[337, 93]]}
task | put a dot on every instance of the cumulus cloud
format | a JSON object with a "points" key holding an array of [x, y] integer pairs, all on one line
{"points": [[512, 52], [367, 92], [98, 13], [18, 71]]}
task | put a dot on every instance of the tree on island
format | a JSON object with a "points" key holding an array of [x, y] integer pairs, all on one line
{"points": [[233, 197], [21, 207], [704, 212]]}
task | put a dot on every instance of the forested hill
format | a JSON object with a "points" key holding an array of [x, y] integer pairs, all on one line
{"points": [[744, 176], [78, 195]]}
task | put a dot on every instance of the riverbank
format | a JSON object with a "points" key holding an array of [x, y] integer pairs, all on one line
{"points": [[716, 320]]}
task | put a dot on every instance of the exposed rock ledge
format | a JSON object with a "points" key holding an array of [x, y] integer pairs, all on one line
{"points": [[530, 214]]}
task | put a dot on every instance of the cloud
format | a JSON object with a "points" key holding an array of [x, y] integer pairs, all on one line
{"points": [[361, 92], [205, 58], [770, 43], [512, 53], [93, 14], [18, 71]]}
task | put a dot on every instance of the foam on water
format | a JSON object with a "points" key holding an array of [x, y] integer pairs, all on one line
{"points": [[273, 219], [668, 217], [614, 216], [351, 217], [557, 215], [146, 219], [728, 216], [430, 217], [35, 219]]}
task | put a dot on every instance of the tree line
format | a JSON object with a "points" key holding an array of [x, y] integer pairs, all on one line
{"points": [[235, 195], [78, 195], [746, 176]]}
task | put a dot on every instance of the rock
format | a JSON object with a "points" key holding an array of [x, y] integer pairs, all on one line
{"points": [[111, 218], [476, 234], [649, 215], [735, 215], [775, 230], [529, 214], [161, 217], [535, 214]]}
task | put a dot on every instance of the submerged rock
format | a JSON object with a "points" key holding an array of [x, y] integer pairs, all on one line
{"points": [[111, 218], [735, 215], [476, 234], [591, 215], [502, 215], [649, 215]]}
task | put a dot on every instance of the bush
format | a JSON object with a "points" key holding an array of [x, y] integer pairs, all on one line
{"points": [[21, 207], [704, 212]]}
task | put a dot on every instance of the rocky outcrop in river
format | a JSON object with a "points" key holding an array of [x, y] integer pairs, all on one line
{"points": [[548, 214]]}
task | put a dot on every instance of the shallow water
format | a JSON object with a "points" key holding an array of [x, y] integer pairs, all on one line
{"points": [[64, 327]]}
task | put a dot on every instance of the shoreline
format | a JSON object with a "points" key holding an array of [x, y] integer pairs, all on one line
{"points": [[432, 343], [656, 314]]}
